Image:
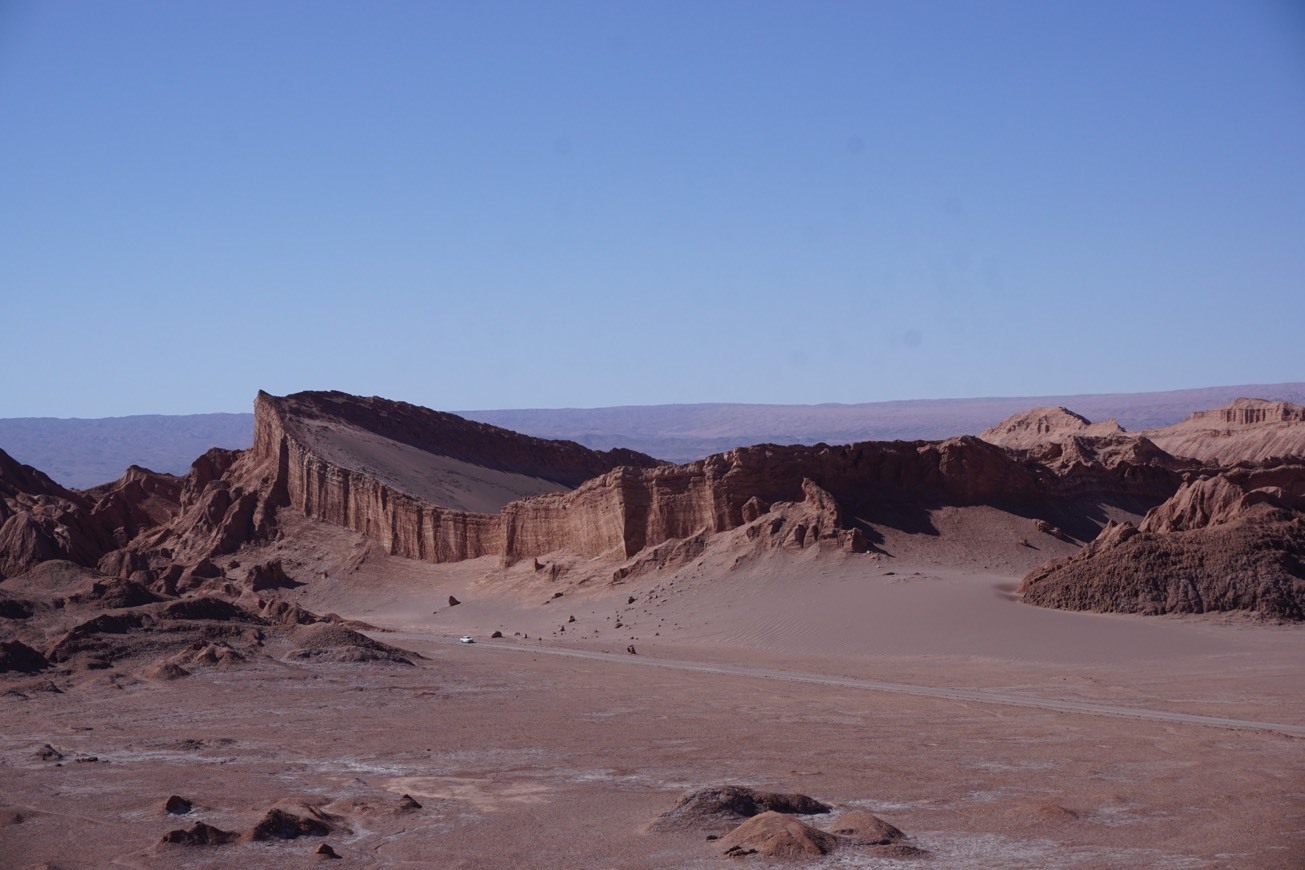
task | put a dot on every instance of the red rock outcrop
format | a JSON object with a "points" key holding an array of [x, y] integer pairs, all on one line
{"points": [[383, 468], [40, 520], [1232, 541]]}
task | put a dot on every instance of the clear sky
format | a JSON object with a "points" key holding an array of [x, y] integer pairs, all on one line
{"points": [[496, 205]]}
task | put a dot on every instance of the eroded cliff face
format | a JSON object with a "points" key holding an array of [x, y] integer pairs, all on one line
{"points": [[1246, 430], [372, 466], [629, 508]]}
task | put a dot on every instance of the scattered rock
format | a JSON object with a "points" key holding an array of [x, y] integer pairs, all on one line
{"points": [[630, 650], [778, 835], [200, 835], [177, 806]]}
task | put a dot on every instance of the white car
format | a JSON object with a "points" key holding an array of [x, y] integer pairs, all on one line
{"points": [[466, 638]]}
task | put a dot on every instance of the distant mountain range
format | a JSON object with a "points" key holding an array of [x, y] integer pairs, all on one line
{"points": [[81, 453]]}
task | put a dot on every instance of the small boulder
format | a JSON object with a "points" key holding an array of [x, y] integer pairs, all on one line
{"points": [[453, 602], [177, 806], [496, 634], [408, 804], [325, 851]]}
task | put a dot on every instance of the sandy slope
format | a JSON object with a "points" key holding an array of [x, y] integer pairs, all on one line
{"points": [[440, 480]]}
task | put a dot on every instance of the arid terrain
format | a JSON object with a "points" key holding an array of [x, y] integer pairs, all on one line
{"points": [[1058, 644]]}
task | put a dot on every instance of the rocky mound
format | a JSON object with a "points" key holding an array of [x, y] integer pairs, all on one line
{"points": [[719, 808], [328, 642], [1233, 541], [776, 835], [1039, 425]]}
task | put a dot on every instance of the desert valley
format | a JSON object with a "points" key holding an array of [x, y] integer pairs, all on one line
{"points": [[1055, 644]]}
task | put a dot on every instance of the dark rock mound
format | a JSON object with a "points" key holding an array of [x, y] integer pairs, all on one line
{"points": [[16, 656], [329, 642], [326, 851], [206, 607], [408, 804], [720, 808], [177, 806], [866, 828], [16, 608], [114, 593], [279, 824], [777, 835], [200, 835], [1255, 567], [1231, 541]]}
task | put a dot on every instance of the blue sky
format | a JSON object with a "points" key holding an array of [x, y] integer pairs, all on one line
{"points": [[492, 205]]}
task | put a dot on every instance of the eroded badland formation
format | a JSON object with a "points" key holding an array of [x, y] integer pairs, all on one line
{"points": [[910, 630]]}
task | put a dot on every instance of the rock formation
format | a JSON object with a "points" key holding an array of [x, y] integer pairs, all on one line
{"points": [[777, 835], [1039, 425], [431, 486], [1246, 430], [1234, 540], [718, 809]]}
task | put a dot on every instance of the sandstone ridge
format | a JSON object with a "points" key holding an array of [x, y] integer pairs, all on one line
{"points": [[430, 486]]}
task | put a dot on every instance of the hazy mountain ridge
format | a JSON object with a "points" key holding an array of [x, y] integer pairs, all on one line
{"points": [[87, 452]]}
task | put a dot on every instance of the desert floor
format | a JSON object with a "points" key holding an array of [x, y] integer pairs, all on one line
{"points": [[917, 687]]}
